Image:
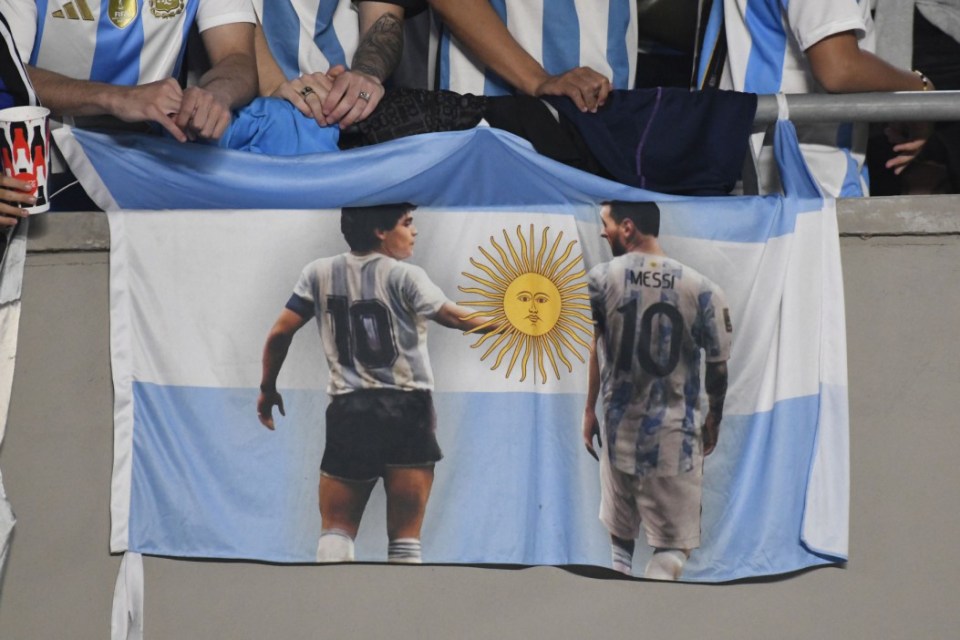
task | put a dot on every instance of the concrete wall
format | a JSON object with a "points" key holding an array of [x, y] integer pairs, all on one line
{"points": [[903, 308]]}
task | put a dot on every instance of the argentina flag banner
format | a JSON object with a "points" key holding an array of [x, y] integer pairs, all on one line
{"points": [[208, 246]]}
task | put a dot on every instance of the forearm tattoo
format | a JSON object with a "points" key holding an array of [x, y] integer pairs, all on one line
{"points": [[378, 53]]}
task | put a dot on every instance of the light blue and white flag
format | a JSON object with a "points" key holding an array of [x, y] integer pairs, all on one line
{"points": [[195, 289]]}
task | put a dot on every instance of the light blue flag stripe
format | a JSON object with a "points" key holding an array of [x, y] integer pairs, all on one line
{"points": [[515, 486], [438, 169]]}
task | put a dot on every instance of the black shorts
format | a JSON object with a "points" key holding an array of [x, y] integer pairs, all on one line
{"points": [[372, 429]]}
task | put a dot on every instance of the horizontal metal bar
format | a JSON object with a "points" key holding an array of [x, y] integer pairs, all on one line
{"points": [[904, 106]]}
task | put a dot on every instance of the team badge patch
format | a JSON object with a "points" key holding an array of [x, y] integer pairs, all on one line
{"points": [[167, 8], [536, 299], [122, 12]]}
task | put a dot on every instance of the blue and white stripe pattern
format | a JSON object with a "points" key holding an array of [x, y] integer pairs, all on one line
{"points": [[650, 408], [766, 40], [196, 475], [126, 43], [406, 297], [307, 36], [560, 35]]}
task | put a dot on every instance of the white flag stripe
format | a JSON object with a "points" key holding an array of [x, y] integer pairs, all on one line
{"points": [[182, 301]]}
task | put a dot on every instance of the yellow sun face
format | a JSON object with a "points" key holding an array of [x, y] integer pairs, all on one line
{"points": [[535, 301], [532, 304]]}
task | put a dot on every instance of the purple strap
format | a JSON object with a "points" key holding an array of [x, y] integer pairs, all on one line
{"points": [[643, 138]]}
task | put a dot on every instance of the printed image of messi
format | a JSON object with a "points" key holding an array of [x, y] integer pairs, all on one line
{"points": [[653, 317], [372, 311]]}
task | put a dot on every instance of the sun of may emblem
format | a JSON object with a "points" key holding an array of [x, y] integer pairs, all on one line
{"points": [[536, 299]]}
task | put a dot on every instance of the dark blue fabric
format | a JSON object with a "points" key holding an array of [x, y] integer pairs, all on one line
{"points": [[668, 139]]}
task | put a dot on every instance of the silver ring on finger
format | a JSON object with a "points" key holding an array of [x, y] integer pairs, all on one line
{"points": [[305, 92], [363, 95]]}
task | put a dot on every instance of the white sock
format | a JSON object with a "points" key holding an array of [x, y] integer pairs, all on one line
{"points": [[622, 559], [665, 564], [335, 545], [404, 551]]}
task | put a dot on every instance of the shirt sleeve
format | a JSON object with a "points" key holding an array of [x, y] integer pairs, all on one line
{"points": [[813, 20], [303, 301], [216, 13], [716, 326], [424, 297], [595, 280]]}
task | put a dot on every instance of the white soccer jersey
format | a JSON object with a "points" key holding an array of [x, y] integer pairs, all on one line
{"points": [[372, 314], [654, 315], [601, 34], [308, 36], [766, 40], [126, 42]]}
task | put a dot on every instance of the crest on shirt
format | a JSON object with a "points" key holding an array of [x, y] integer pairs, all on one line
{"points": [[122, 12], [167, 8], [534, 294]]}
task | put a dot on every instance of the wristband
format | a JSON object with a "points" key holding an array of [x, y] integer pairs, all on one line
{"points": [[924, 79]]}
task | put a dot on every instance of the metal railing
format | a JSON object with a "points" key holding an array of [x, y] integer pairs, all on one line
{"points": [[905, 106]]}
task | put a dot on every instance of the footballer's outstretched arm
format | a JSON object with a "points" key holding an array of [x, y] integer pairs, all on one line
{"points": [[274, 353], [456, 317], [716, 385], [591, 425]]}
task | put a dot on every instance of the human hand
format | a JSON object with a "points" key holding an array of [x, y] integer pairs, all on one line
{"points": [[587, 88], [908, 139], [591, 428], [203, 114], [306, 93], [153, 102], [13, 191], [265, 404], [353, 97], [710, 432]]}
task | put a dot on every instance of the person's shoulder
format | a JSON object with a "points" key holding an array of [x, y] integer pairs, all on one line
{"points": [[323, 264], [692, 278], [407, 270], [600, 270]]}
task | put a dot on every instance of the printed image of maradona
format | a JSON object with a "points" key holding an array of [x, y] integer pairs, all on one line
{"points": [[372, 310], [654, 319]]}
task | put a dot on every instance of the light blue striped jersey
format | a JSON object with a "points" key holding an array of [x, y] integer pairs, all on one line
{"points": [[766, 41], [654, 315], [125, 42], [308, 36], [372, 313], [560, 34]]}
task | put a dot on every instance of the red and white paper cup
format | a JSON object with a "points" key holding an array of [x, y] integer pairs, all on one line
{"points": [[25, 150]]}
